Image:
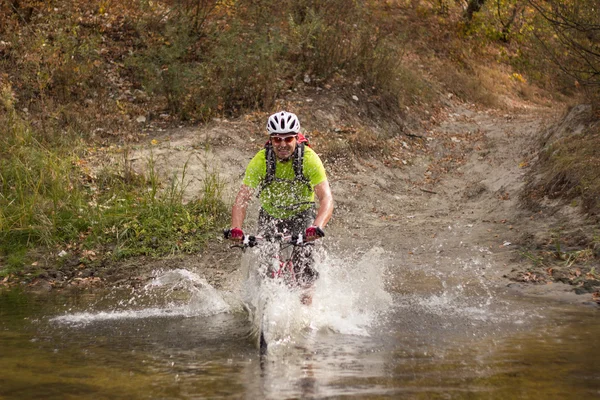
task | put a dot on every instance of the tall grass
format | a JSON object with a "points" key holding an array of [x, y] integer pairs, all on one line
{"points": [[40, 199], [47, 200]]}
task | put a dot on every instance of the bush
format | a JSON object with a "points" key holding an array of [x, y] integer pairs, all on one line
{"points": [[245, 58]]}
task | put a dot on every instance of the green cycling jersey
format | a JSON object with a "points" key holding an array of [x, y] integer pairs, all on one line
{"points": [[285, 196]]}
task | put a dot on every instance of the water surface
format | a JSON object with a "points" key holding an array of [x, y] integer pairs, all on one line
{"points": [[179, 338]]}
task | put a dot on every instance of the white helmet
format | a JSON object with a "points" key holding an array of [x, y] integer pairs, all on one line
{"points": [[283, 122]]}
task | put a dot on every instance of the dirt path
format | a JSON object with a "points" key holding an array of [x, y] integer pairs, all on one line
{"points": [[456, 203], [471, 219], [470, 213]]}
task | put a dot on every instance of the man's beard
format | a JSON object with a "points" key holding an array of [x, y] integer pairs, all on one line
{"points": [[285, 159]]}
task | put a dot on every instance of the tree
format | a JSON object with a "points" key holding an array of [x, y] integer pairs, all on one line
{"points": [[473, 6], [511, 19], [574, 43]]}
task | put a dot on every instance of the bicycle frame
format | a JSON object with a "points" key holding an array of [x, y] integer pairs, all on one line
{"points": [[282, 266]]}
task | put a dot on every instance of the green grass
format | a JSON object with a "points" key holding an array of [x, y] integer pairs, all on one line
{"points": [[48, 199]]}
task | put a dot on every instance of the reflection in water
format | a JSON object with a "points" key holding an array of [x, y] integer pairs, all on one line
{"points": [[180, 338]]}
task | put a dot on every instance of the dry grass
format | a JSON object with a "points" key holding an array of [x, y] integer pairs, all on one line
{"points": [[569, 170], [468, 86]]}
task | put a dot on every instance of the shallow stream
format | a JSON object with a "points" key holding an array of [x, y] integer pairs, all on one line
{"points": [[431, 337]]}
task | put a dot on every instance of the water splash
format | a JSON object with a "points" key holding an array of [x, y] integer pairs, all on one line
{"points": [[348, 298], [457, 290], [178, 293], [351, 296]]}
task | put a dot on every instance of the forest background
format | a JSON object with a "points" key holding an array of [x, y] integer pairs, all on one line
{"points": [[82, 80]]}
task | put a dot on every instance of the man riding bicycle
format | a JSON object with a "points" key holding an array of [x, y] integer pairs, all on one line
{"points": [[287, 174]]}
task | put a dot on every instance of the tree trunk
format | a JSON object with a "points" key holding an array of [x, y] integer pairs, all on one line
{"points": [[473, 7], [506, 27]]}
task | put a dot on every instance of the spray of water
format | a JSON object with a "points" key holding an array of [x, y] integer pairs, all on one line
{"points": [[175, 293], [348, 298]]}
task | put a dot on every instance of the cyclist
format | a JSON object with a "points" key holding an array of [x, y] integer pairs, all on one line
{"points": [[287, 174]]}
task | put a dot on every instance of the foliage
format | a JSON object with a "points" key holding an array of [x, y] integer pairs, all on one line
{"points": [[554, 43], [194, 59], [49, 198], [572, 39], [197, 59]]}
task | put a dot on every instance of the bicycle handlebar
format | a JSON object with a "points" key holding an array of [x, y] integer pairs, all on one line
{"points": [[252, 240]]}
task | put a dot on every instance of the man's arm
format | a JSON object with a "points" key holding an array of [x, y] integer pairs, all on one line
{"points": [[323, 192], [238, 211]]}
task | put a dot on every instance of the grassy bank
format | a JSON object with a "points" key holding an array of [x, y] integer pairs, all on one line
{"points": [[51, 199], [570, 169]]}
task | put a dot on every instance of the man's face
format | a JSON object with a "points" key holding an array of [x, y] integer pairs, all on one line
{"points": [[284, 146]]}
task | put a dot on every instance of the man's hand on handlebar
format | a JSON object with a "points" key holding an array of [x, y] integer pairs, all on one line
{"points": [[235, 234], [313, 233]]}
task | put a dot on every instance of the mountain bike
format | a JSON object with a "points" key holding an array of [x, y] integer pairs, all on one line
{"points": [[275, 264]]}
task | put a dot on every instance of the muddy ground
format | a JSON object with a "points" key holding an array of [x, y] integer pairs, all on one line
{"points": [[447, 193]]}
